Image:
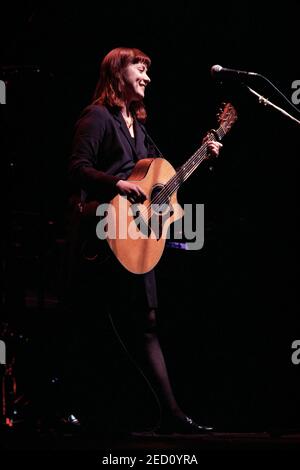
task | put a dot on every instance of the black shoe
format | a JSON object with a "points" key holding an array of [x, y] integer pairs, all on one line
{"points": [[69, 425], [72, 420], [183, 425]]}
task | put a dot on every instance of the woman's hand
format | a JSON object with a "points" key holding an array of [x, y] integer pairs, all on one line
{"points": [[214, 148], [131, 190]]}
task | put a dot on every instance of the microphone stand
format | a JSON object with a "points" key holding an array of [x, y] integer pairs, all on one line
{"points": [[267, 102]]}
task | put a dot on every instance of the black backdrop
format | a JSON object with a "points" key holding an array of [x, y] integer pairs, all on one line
{"points": [[228, 312]]}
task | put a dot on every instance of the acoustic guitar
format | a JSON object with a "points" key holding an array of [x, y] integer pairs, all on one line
{"points": [[136, 233]]}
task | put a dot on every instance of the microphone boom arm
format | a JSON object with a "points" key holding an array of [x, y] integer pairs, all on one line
{"points": [[267, 102]]}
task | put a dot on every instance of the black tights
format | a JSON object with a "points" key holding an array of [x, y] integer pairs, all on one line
{"points": [[89, 372], [148, 354]]}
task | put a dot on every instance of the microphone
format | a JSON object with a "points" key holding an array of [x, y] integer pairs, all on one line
{"points": [[218, 71]]}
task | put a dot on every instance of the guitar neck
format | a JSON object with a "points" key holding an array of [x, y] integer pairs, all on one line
{"points": [[186, 170]]}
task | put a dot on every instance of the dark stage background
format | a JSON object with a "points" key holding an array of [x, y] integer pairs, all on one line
{"points": [[229, 312]]}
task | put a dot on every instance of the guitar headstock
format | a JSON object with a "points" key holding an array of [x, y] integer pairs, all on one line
{"points": [[227, 116]]}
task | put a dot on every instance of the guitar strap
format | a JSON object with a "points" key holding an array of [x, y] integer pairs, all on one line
{"points": [[150, 140]]}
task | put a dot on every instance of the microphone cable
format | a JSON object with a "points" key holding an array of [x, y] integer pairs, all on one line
{"points": [[140, 370]]}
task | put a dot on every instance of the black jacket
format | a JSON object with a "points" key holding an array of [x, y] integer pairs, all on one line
{"points": [[104, 152]]}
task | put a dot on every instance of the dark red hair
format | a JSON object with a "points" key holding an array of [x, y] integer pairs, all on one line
{"points": [[110, 87]]}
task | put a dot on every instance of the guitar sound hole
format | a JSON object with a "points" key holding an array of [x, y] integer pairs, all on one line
{"points": [[159, 199]]}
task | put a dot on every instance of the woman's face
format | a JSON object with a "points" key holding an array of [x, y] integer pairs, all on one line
{"points": [[136, 79]]}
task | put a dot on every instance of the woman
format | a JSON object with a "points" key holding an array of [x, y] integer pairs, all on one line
{"points": [[110, 138]]}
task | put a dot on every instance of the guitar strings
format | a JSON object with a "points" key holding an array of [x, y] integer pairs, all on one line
{"points": [[179, 177], [174, 182], [182, 174]]}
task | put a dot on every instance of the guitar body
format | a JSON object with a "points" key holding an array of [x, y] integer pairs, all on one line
{"points": [[139, 254]]}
